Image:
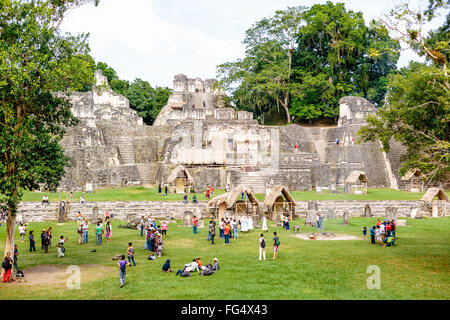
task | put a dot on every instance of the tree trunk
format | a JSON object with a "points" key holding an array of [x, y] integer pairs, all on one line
{"points": [[286, 107], [10, 226]]}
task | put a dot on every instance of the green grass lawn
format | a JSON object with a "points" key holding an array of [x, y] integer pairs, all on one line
{"points": [[151, 194], [416, 268]]}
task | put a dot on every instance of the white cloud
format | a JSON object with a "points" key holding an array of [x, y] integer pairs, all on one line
{"points": [[156, 39]]}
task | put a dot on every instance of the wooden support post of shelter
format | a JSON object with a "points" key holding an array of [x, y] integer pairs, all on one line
{"points": [[240, 201], [356, 182], [412, 182], [280, 202], [181, 179]]}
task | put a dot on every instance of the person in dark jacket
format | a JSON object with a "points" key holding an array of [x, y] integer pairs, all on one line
{"points": [[166, 266], [7, 265]]}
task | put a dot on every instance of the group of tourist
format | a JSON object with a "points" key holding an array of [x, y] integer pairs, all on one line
{"points": [[383, 233], [194, 199], [166, 189], [100, 230], [153, 234], [229, 227], [195, 265], [262, 246]]}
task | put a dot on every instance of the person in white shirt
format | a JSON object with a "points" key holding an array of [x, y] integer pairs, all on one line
{"points": [[221, 222], [378, 235], [264, 224], [262, 248], [22, 231], [250, 223]]}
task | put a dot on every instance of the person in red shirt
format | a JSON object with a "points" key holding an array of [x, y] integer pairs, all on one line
{"points": [[378, 222], [226, 233], [211, 191], [207, 192], [194, 224]]}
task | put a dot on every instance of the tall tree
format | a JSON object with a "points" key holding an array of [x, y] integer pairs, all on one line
{"points": [[270, 44], [337, 55], [417, 110], [33, 52]]}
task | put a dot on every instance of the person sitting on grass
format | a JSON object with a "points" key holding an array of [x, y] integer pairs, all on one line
{"points": [[185, 199], [193, 265], [194, 199], [166, 266], [214, 266], [388, 241], [199, 263]]}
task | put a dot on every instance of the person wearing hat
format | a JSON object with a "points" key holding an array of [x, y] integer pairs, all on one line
{"points": [[215, 266]]}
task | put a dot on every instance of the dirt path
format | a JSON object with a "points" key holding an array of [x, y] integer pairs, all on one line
{"points": [[57, 275]]}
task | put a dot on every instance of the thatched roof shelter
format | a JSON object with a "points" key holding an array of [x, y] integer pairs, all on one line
{"points": [[175, 174], [435, 192], [357, 176], [278, 191], [231, 197], [413, 173]]}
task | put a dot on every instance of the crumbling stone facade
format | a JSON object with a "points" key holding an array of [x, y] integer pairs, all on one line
{"points": [[111, 146]]}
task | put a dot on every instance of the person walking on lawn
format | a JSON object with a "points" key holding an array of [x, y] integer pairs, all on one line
{"points": [[194, 224], [122, 270], [31, 237], [98, 234], [276, 244], [130, 253]]}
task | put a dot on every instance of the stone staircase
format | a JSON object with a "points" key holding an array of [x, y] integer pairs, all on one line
{"points": [[126, 150], [145, 172], [257, 180], [316, 136]]}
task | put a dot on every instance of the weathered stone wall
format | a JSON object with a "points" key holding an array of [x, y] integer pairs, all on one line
{"points": [[35, 212]]}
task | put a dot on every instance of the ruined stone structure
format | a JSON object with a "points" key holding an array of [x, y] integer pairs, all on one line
{"points": [[112, 147], [127, 211]]}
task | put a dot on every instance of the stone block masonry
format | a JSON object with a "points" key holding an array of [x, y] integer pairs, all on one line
{"points": [[35, 212]]}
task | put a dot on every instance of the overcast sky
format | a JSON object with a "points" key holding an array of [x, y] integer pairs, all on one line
{"points": [[157, 39]]}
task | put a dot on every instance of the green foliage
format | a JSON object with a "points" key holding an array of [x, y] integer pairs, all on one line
{"points": [[35, 61], [147, 100], [263, 78], [417, 114], [338, 55], [302, 61]]}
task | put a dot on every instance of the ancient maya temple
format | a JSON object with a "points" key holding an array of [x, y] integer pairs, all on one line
{"points": [[112, 147]]}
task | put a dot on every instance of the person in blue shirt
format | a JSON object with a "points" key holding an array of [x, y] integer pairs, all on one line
{"points": [[185, 199], [365, 233], [372, 235]]}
